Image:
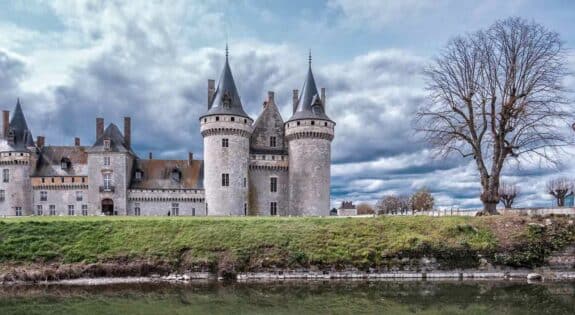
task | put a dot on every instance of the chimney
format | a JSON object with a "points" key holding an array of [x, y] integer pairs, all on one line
{"points": [[294, 99], [190, 158], [323, 97], [211, 91], [128, 131], [77, 141], [5, 123], [40, 141], [99, 127], [150, 155]]}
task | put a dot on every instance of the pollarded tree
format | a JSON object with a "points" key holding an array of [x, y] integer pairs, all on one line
{"points": [[422, 200], [507, 194], [560, 188], [496, 95]]}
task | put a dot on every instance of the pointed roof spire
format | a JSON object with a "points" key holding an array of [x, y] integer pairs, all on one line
{"points": [[310, 104], [18, 126], [226, 99]]}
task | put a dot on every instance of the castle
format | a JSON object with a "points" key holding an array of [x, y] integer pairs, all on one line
{"points": [[261, 167]]}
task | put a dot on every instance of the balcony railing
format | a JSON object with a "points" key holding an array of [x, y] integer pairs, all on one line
{"points": [[110, 189]]}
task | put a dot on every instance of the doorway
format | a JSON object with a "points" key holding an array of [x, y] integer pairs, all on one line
{"points": [[108, 207]]}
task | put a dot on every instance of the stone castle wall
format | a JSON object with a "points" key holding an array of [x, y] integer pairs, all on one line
{"points": [[160, 202], [18, 189], [262, 169], [232, 160], [120, 168]]}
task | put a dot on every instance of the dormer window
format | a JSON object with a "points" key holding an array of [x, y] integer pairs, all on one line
{"points": [[139, 175], [106, 144], [65, 163], [176, 175]]}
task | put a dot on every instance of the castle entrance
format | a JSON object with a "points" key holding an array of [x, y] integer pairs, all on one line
{"points": [[108, 206]]}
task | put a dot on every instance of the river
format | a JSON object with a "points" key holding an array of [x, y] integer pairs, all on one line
{"points": [[331, 297]]}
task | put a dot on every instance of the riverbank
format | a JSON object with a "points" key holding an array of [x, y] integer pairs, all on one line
{"points": [[51, 249]]}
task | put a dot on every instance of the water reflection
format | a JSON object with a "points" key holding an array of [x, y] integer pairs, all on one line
{"points": [[294, 298]]}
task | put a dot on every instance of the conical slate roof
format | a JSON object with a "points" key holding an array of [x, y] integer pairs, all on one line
{"points": [[19, 128], [226, 100], [309, 104]]}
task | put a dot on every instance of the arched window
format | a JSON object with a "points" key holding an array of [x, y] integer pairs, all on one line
{"points": [[176, 175]]}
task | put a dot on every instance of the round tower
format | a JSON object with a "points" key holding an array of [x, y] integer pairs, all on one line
{"points": [[17, 156], [226, 130], [309, 133]]}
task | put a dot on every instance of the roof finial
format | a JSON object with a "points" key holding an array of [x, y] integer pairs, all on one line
{"points": [[309, 58], [18, 101], [227, 51]]}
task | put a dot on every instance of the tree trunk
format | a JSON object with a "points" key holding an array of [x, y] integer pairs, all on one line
{"points": [[490, 199]]}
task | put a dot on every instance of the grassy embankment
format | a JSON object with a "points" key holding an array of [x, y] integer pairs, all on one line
{"points": [[229, 245]]}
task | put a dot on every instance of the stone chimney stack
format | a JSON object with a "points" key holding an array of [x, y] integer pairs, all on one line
{"points": [[190, 158], [128, 131], [99, 127], [40, 142], [77, 141], [323, 97], [5, 123], [211, 91], [150, 155], [294, 99]]}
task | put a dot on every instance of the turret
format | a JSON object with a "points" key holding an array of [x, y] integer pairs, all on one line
{"points": [[17, 156], [309, 133], [226, 130]]}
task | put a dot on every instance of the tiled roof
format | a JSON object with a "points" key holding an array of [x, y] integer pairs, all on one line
{"points": [[157, 174], [50, 161]]}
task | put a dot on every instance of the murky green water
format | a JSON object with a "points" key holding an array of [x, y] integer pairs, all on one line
{"points": [[294, 298]]}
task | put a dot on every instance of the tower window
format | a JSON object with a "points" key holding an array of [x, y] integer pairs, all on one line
{"points": [[6, 175], [298, 123], [274, 184], [79, 196], [272, 142], [245, 182], [2, 195], [325, 123], [273, 208], [217, 118], [312, 122], [233, 119], [225, 179], [225, 143], [245, 209], [43, 195]]}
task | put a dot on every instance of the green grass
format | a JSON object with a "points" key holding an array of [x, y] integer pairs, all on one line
{"points": [[245, 244]]}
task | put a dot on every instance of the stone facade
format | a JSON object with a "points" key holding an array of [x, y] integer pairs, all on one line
{"points": [[262, 167]]}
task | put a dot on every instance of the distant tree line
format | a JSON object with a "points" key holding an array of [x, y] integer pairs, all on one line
{"points": [[419, 201]]}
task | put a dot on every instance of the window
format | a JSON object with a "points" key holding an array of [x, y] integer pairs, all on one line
{"points": [[65, 163], [62, 179], [83, 179], [43, 195], [18, 211], [274, 184], [312, 122], [245, 209], [43, 180], [175, 209], [193, 212], [272, 142], [137, 209], [233, 119], [84, 210], [70, 209], [79, 196], [176, 175], [107, 161], [225, 143], [273, 208], [52, 209], [107, 181], [139, 175], [6, 175], [52, 179], [225, 180], [39, 210], [217, 118], [2, 195], [106, 144], [325, 124], [245, 182]]}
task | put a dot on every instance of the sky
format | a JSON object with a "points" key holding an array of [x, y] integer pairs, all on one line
{"points": [[71, 61]]}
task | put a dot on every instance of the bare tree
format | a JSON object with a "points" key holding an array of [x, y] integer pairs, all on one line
{"points": [[422, 200], [389, 204], [507, 194], [404, 204], [560, 188], [497, 94], [365, 208]]}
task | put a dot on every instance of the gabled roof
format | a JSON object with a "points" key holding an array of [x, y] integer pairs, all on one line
{"points": [[309, 104], [157, 174], [50, 158], [117, 141], [22, 135], [269, 124], [226, 100]]}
